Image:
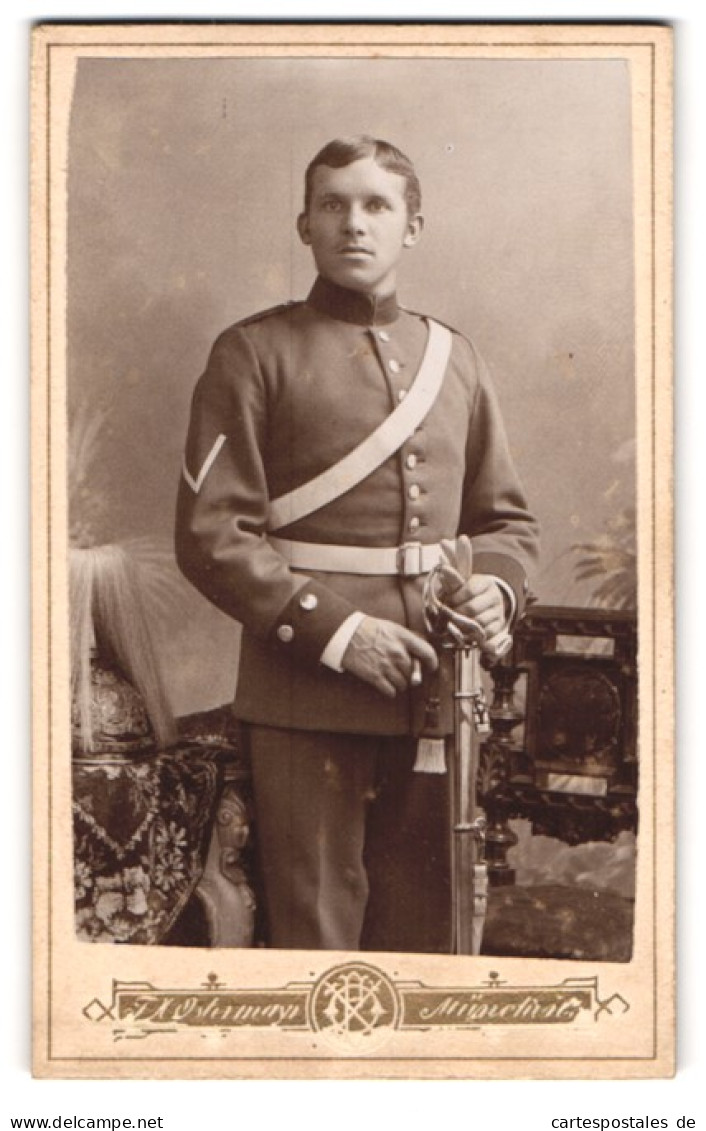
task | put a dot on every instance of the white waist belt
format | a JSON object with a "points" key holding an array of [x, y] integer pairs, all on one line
{"points": [[408, 560]]}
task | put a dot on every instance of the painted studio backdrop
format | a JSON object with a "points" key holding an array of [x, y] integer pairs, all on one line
{"points": [[185, 178]]}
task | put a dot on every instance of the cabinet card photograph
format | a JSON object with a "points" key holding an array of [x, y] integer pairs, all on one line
{"points": [[352, 552]]}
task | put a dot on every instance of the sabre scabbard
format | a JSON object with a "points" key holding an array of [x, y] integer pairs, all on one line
{"points": [[462, 636]]}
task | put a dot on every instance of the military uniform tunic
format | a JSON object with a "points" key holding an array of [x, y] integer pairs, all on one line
{"points": [[285, 395]]}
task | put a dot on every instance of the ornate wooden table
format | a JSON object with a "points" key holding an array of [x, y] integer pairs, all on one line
{"points": [[563, 750]]}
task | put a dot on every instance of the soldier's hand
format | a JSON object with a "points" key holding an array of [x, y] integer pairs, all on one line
{"points": [[382, 653], [482, 599], [475, 595]]}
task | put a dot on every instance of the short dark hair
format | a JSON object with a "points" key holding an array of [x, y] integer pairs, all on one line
{"points": [[344, 151]]}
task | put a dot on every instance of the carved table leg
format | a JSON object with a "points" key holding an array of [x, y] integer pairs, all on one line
{"points": [[499, 839], [496, 767], [224, 891]]}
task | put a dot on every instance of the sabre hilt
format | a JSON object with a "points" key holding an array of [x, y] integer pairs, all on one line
{"points": [[451, 628]]}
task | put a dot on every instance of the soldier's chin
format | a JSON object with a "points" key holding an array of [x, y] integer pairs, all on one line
{"points": [[355, 277]]}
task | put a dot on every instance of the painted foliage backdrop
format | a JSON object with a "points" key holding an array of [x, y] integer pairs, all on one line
{"points": [[184, 181]]}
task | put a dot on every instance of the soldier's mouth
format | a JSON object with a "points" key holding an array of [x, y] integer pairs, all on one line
{"points": [[353, 250]]}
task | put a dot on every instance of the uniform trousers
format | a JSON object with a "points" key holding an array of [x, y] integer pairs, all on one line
{"points": [[353, 844]]}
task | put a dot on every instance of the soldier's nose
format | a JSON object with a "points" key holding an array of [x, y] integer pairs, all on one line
{"points": [[353, 220]]}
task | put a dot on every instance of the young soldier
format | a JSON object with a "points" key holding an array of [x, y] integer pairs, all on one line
{"points": [[325, 571]]}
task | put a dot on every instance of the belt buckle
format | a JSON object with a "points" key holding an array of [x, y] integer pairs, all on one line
{"points": [[409, 559]]}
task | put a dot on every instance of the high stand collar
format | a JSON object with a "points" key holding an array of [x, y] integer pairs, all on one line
{"points": [[352, 306]]}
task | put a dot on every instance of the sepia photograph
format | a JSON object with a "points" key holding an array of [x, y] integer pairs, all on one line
{"points": [[352, 551]]}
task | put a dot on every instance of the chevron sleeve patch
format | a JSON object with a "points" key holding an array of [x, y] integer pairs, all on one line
{"points": [[197, 483]]}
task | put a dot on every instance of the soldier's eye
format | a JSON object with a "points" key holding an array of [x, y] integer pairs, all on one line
{"points": [[377, 204], [330, 205]]}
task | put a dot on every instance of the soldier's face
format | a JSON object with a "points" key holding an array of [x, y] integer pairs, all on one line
{"points": [[358, 225]]}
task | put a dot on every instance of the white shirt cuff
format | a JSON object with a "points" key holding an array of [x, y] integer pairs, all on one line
{"points": [[332, 655], [510, 596]]}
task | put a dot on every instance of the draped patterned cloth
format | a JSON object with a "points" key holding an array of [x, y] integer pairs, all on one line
{"points": [[142, 823]]}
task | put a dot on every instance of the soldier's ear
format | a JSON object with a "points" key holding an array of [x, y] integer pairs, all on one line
{"points": [[415, 225], [303, 228]]}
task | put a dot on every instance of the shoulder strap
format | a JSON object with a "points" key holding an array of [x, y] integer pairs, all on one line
{"points": [[372, 452], [260, 315]]}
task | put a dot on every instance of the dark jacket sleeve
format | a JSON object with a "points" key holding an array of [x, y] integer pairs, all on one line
{"points": [[503, 532], [222, 511]]}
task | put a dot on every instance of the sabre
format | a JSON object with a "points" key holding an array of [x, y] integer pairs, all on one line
{"points": [[463, 636]]}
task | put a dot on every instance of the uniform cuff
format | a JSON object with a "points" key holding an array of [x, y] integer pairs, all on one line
{"points": [[309, 620], [507, 571]]}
